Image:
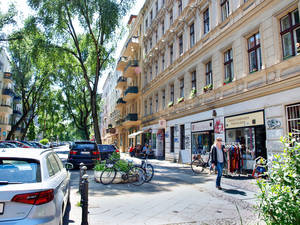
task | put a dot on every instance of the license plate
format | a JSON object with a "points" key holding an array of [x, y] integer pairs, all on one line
{"points": [[1, 208], [85, 153]]}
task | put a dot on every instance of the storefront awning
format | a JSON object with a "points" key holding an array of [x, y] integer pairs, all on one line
{"points": [[134, 134]]}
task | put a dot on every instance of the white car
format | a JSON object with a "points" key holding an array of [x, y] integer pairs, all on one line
{"points": [[34, 187]]}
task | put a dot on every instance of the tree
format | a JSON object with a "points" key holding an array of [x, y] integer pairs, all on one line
{"points": [[31, 134], [32, 72], [90, 43]]}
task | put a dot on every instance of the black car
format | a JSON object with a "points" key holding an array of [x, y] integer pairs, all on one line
{"points": [[106, 151], [83, 152]]}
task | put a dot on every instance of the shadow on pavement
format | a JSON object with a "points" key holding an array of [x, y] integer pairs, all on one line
{"points": [[234, 192], [67, 216]]}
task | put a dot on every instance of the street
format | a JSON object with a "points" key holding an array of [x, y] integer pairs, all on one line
{"points": [[174, 196]]}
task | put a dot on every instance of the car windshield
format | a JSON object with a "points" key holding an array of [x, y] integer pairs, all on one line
{"points": [[83, 146], [106, 147], [14, 170]]}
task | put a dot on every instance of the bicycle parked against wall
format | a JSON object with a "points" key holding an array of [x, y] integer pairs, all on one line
{"points": [[148, 168], [133, 174], [198, 164]]}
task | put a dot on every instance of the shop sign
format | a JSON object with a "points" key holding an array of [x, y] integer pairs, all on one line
{"points": [[203, 126], [162, 124], [245, 120]]}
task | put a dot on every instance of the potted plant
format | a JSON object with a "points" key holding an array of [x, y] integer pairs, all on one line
{"points": [[227, 80], [170, 103], [181, 99], [208, 87], [193, 93]]}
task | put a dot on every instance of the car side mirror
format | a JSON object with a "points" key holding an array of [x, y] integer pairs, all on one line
{"points": [[69, 166]]}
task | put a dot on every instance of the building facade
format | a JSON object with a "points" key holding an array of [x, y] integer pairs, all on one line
{"points": [[218, 68]]}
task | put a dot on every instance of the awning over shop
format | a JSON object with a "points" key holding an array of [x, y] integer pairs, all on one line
{"points": [[134, 134]]}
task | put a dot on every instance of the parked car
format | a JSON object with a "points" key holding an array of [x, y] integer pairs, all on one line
{"points": [[86, 152], [35, 187], [8, 145], [106, 151], [17, 143]]}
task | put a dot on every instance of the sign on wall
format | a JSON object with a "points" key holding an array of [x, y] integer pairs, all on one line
{"points": [[203, 126], [162, 124], [245, 120]]}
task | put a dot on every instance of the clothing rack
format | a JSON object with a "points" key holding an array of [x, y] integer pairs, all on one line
{"points": [[234, 162]]}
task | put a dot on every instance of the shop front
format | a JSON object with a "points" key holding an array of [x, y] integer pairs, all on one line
{"points": [[202, 137], [246, 134]]}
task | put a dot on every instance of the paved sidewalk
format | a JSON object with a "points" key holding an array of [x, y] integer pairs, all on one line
{"points": [[174, 196]]}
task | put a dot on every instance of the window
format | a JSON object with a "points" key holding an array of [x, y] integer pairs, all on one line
{"points": [[182, 137], [150, 103], [194, 86], [151, 16], [228, 66], [146, 79], [254, 53], [172, 93], [146, 23], [172, 139], [163, 27], [171, 54], [192, 35], [153, 141], [156, 6], [293, 120], [224, 9], [156, 36], [150, 43], [145, 105], [146, 48], [179, 7], [182, 88], [206, 21], [208, 73], [163, 2], [163, 98], [156, 103], [156, 68], [52, 165], [290, 34], [171, 17], [180, 42]]}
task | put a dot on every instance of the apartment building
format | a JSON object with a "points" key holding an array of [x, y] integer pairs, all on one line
{"points": [[7, 94], [220, 68]]}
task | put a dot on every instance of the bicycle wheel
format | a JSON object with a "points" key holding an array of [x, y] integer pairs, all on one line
{"points": [[136, 175], [149, 170], [108, 175], [197, 166]]}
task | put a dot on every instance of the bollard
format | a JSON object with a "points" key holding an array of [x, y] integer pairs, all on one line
{"points": [[80, 176], [84, 199]]}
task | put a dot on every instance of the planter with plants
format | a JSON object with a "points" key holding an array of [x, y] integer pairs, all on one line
{"points": [[181, 99], [193, 93], [227, 80], [170, 104], [208, 87]]}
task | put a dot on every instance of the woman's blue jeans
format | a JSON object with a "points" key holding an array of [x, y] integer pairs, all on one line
{"points": [[220, 170]]}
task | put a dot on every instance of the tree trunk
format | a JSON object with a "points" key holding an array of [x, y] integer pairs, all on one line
{"points": [[26, 127], [14, 127], [95, 118], [86, 133]]}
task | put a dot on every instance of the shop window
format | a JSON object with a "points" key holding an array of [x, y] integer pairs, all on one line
{"points": [[172, 130], [208, 74], [180, 44], [224, 9], [228, 66], [293, 120], [206, 21], [153, 141], [192, 35], [290, 34], [182, 137], [194, 80], [254, 53]]}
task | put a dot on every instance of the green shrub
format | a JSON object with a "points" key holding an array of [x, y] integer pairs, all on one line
{"points": [[44, 141], [115, 156], [122, 165], [279, 200], [99, 166]]}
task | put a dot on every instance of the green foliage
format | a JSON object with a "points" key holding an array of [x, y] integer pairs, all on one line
{"points": [[114, 156], [122, 165], [44, 141], [170, 104], [181, 99], [279, 200], [207, 87], [31, 134], [193, 93], [99, 166]]}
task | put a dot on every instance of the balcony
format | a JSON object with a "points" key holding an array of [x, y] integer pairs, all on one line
{"points": [[122, 62], [131, 93], [111, 131], [131, 120], [7, 76], [119, 123], [121, 83], [120, 103], [6, 109], [131, 68], [17, 111], [8, 91], [17, 99], [132, 46]]}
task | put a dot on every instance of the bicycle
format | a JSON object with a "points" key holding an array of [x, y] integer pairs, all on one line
{"points": [[198, 165], [148, 168], [133, 174]]}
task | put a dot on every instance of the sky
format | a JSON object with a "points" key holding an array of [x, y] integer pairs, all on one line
{"points": [[24, 11]]}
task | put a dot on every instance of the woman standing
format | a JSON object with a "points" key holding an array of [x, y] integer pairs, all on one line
{"points": [[218, 159]]}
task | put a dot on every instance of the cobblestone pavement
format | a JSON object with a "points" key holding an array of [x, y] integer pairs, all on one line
{"points": [[174, 196]]}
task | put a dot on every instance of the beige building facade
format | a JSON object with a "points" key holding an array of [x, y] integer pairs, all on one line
{"points": [[214, 68]]}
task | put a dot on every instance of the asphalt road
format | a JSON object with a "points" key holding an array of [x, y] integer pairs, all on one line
{"points": [[174, 196]]}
